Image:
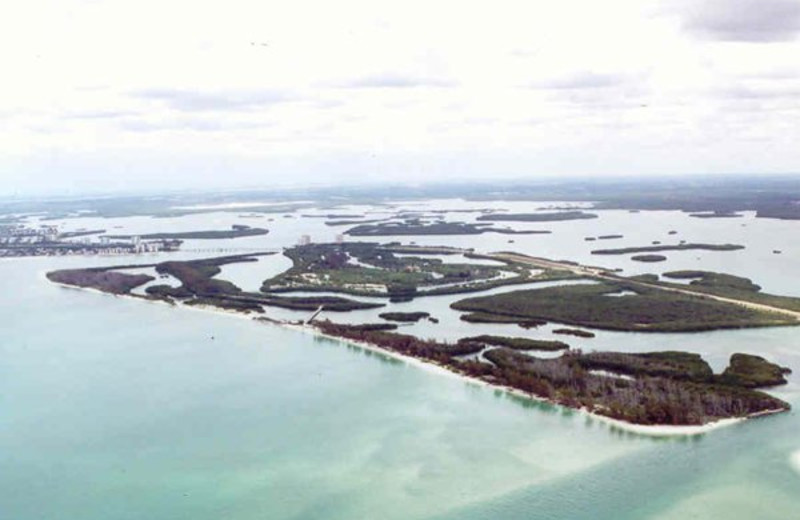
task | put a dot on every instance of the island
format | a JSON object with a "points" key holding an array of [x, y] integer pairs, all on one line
{"points": [[674, 247], [716, 214], [640, 307], [347, 222], [648, 258], [198, 286], [555, 216], [101, 279], [405, 317], [236, 231], [664, 388], [579, 333], [436, 228], [373, 269]]}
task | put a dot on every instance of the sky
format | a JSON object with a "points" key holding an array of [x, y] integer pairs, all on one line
{"points": [[108, 95]]}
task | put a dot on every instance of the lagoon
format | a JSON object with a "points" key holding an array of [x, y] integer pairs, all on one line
{"points": [[113, 408]]}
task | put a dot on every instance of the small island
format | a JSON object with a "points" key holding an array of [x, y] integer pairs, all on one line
{"points": [[648, 258], [436, 228], [578, 333], [236, 231], [405, 317], [716, 214], [675, 247], [555, 216]]}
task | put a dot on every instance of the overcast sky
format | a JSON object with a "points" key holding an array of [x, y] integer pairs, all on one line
{"points": [[106, 95]]}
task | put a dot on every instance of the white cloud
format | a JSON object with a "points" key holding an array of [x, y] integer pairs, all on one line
{"points": [[305, 90], [742, 20]]}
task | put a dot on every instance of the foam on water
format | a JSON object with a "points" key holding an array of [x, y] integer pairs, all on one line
{"points": [[794, 461]]}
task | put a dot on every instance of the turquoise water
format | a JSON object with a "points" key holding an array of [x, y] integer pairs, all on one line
{"points": [[112, 408]]}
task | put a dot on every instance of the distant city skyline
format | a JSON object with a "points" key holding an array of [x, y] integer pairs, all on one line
{"points": [[105, 96]]}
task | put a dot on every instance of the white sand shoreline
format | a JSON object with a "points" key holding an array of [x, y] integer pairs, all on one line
{"points": [[638, 429]]}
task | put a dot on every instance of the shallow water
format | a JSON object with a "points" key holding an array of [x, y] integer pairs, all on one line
{"points": [[113, 408]]}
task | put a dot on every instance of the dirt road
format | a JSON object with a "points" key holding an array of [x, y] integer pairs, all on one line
{"points": [[601, 274]]}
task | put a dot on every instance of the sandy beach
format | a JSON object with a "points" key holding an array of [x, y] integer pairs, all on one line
{"points": [[638, 429]]}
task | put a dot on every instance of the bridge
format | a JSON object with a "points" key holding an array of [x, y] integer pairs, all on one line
{"points": [[316, 313]]}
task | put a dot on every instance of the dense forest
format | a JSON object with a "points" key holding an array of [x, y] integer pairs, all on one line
{"points": [[617, 305]]}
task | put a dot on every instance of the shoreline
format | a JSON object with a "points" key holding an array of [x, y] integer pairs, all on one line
{"points": [[638, 429], [655, 430]]}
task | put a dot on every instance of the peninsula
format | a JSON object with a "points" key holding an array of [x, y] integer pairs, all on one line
{"points": [[660, 388]]}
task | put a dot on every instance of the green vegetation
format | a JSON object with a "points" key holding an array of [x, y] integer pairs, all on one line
{"points": [[196, 276], [371, 327], [404, 316], [675, 388], [100, 279], [661, 393], [370, 269], [712, 280], [416, 227], [603, 237], [676, 247], [334, 223], [396, 247], [647, 310], [306, 303], [517, 343], [648, 258], [730, 286], [574, 332], [768, 196], [485, 317], [557, 216], [716, 214], [672, 364], [237, 231], [754, 372], [402, 343], [199, 287]]}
